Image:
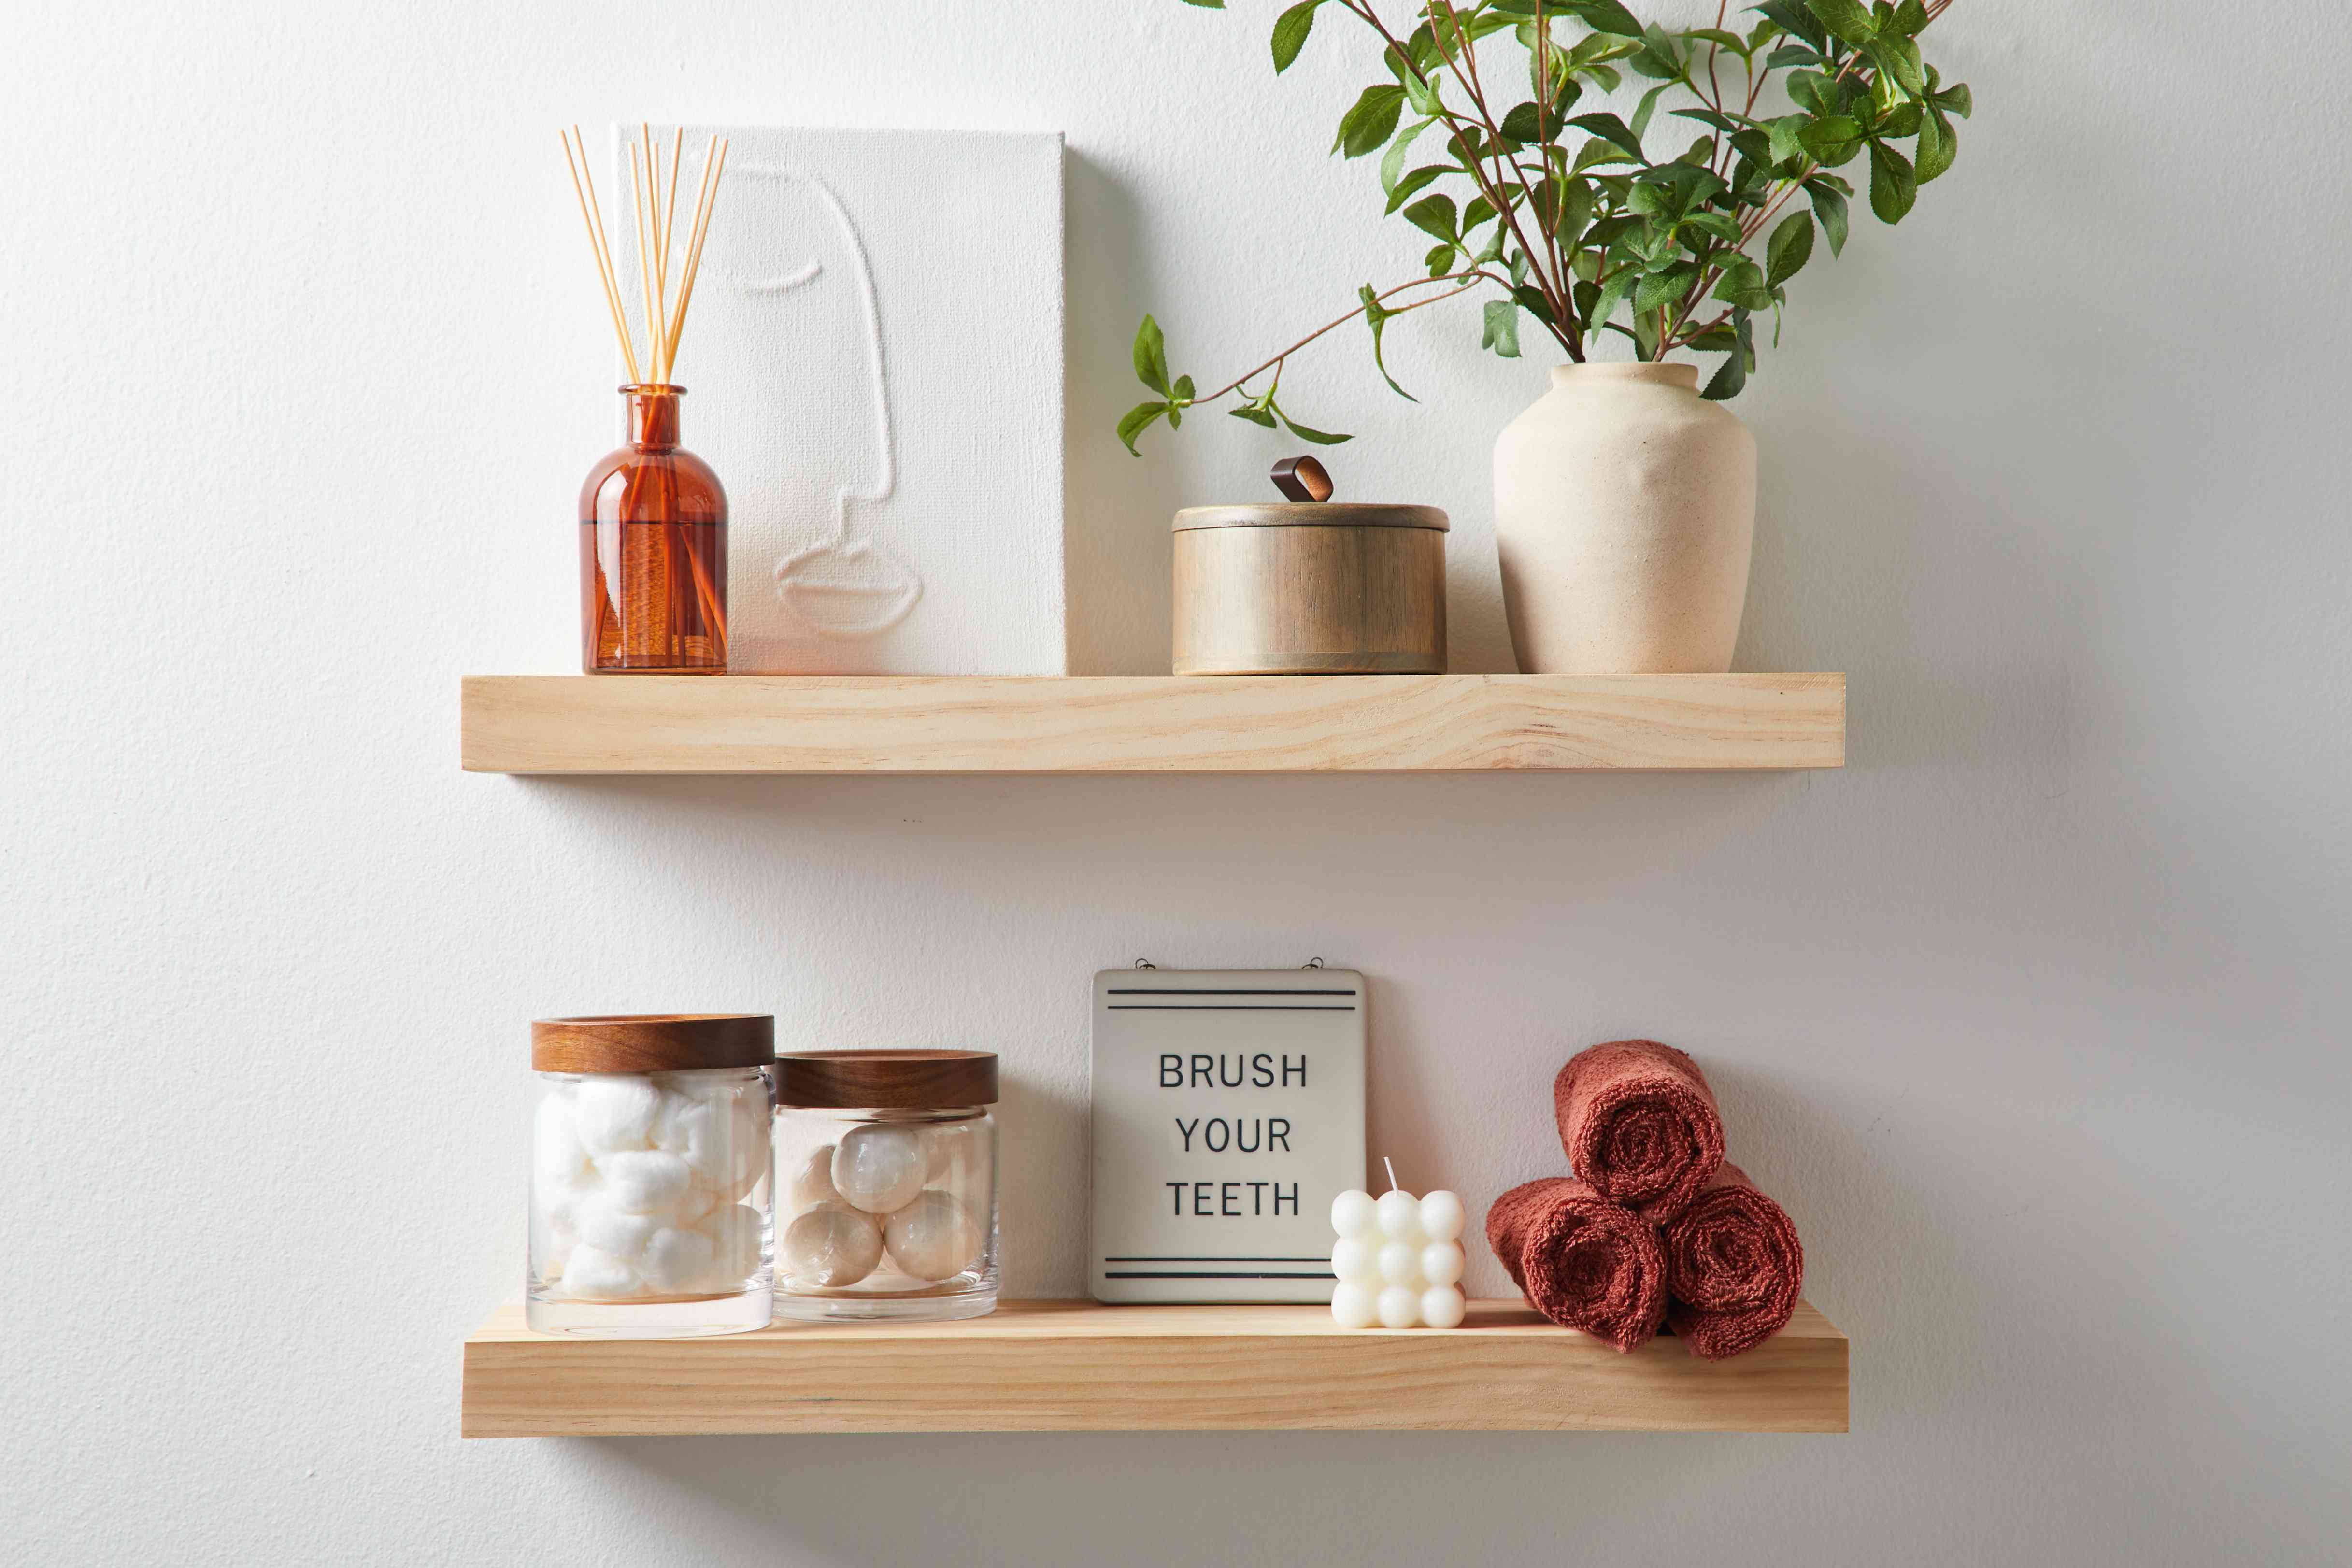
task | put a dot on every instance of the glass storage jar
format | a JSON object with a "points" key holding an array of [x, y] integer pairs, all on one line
{"points": [[651, 1189], [885, 1174]]}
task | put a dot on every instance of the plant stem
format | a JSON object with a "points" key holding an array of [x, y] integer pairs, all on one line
{"points": [[1468, 281]]}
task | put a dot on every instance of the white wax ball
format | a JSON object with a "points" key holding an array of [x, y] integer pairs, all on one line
{"points": [[933, 1237], [645, 1181], [1355, 1306], [1353, 1214], [678, 1259], [595, 1274], [1400, 1216], [1399, 1307], [831, 1244], [1441, 1263], [1401, 1263], [604, 1226], [880, 1168], [1441, 1215], [555, 1151], [614, 1111], [811, 1183], [1356, 1260], [734, 1230], [1442, 1307]]}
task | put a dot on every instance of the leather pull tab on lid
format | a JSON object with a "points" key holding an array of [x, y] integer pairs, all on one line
{"points": [[1302, 479]]}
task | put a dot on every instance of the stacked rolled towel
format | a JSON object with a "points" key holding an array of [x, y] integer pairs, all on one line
{"points": [[1640, 1125], [1583, 1261], [1733, 1267]]}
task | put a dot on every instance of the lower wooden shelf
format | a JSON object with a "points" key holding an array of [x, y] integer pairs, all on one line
{"points": [[1076, 1366]]}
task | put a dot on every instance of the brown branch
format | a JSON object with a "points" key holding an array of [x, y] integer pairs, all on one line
{"points": [[1474, 278]]}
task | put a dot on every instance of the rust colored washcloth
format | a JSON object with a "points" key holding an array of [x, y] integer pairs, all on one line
{"points": [[1733, 1267], [1583, 1261], [1639, 1124]]}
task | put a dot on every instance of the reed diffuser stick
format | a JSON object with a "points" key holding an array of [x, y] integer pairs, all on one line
{"points": [[593, 217], [709, 201], [652, 200]]}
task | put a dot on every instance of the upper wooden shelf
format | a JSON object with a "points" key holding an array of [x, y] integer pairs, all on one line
{"points": [[1071, 1366], [1120, 723]]}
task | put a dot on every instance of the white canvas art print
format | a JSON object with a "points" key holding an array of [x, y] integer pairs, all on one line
{"points": [[873, 366]]}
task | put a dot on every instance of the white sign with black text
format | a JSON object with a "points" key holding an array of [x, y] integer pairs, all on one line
{"points": [[1228, 1114]]}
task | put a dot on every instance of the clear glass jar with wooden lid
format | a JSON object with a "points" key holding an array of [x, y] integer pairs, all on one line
{"points": [[886, 1171], [651, 1212]]}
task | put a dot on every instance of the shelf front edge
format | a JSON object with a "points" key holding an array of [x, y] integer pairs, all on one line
{"points": [[1078, 724]]}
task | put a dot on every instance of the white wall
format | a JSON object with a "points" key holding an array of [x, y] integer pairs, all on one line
{"points": [[2033, 1014]]}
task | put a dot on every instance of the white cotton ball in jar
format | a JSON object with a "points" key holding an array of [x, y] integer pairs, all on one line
{"points": [[645, 1181], [595, 1274], [809, 1182], [1355, 1306], [1356, 1260], [933, 1237], [1442, 1215], [554, 1228], [558, 1157], [1400, 1216], [1399, 1307], [599, 1223], [720, 1135], [831, 1245], [1441, 1263], [678, 1259], [696, 1206], [1353, 1214], [613, 1112], [735, 1230], [880, 1168], [1442, 1307]]}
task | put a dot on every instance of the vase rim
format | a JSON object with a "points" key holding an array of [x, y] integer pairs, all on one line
{"points": [[1668, 373]]}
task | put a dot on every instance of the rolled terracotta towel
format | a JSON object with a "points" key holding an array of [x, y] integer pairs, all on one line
{"points": [[1640, 1125], [1733, 1267], [1581, 1260]]}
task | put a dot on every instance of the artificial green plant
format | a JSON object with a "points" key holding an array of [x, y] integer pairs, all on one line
{"points": [[1566, 219]]}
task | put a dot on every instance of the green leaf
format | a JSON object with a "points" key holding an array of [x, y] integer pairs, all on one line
{"points": [[1605, 17], [1810, 90], [1893, 183], [1138, 419], [1479, 211], [1898, 57], [1207, 5], [1414, 181], [1522, 124], [1377, 316], [1440, 259], [1502, 333], [1829, 205], [1648, 106], [1731, 376], [1290, 30], [1614, 131], [1716, 36], [1742, 285], [1659, 288], [1800, 22], [1614, 293], [1910, 18], [1320, 437], [1955, 98], [1181, 395], [1848, 19], [1433, 215], [1898, 123], [1392, 161], [1254, 414], [1151, 357], [1939, 144], [1723, 226], [1832, 140], [1372, 122], [1791, 246]]}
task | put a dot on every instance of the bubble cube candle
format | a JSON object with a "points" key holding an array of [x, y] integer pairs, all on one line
{"points": [[1398, 1258]]}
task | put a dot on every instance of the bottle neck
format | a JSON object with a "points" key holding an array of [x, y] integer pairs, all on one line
{"points": [[653, 417]]}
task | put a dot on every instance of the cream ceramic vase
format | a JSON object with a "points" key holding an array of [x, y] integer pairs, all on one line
{"points": [[1624, 510]]}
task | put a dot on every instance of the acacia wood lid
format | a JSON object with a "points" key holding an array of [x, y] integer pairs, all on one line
{"points": [[1311, 515], [886, 1079], [652, 1042]]}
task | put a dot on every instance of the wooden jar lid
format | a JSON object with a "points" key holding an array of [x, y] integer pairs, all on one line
{"points": [[652, 1042], [1311, 515], [886, 1080]]}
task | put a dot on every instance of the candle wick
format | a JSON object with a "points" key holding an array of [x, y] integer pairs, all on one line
{"points": [[1391, 1165]]}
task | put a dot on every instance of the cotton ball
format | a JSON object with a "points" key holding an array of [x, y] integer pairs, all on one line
{"points": [[678, 1259], [645, 1181], [1441, 1215], [1441, 1263], [596, 1275], [1355, 1306], [932, 1238], [1400, 1216], [554, 1228], [602, 1225], [880, 1168], [614, 1111], [721, 1138], [1399, 1307], [831, 1244], [1356, 1260], [696, 1206], [748, 1124], [557, 1157], [812, 1182], [1353, 1214], [1401, 1263], [736, 1231], [1442, 1307]]}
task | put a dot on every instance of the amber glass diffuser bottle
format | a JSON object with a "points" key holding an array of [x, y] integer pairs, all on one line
{"points": [[653, 552]]}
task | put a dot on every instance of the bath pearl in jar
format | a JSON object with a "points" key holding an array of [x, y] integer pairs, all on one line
{"points": [[880, 1168], [831, 1244], [933, 1237], [645, 1181], [614, 1112], [812, 1184]]}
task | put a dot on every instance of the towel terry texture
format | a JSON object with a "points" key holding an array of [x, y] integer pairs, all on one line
{"points": [[1640, 1125], [1583, 1261], [1734, 1268]]}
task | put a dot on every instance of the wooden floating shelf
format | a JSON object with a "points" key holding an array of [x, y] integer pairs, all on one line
{"points": [[1083, 724], [1076, 1366]]}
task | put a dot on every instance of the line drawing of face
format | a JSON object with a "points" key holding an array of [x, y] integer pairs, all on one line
{"points": [[801, 289]]}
